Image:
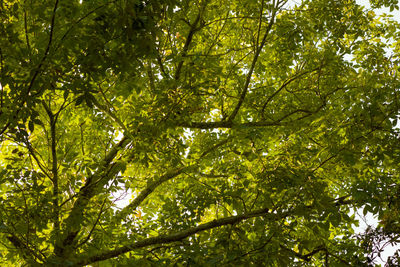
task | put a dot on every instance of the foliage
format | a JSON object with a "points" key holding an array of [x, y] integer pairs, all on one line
{"points": [[243, 132]]}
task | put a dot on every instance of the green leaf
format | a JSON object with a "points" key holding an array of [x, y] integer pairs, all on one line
{"points": [[31, 126], [79, 100], [255, 128]]}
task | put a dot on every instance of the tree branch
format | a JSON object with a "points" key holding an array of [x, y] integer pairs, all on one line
{"points": [[75, 218], [189, 38], [37, 71], [305, 257], [94, 225], [164, 239], [253, 64], [148, 190], [284, 85], [32, 153], [54, 169], [164, 178], [107, 109], [226, 124], [29, 254]]}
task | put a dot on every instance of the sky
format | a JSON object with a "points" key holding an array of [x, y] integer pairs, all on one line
{"points": [[395, 13]]}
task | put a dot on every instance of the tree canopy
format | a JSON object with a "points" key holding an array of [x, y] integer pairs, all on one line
{"points": [[242, 132]]}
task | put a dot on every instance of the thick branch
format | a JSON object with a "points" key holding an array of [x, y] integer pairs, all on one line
{"points": [[226, 124], [86, 193], [163, 239]]}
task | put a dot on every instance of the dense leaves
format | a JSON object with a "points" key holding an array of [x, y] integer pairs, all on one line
{"points": [[235, 132]]}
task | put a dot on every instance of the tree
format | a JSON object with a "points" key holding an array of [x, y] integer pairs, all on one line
{"points": [[243, 132]]}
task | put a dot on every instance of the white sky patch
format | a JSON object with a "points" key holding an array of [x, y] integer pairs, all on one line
{"points": [[187, 134], [371, 221], [119, 136], [214, 114], [122, 198], [381, 11]]}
